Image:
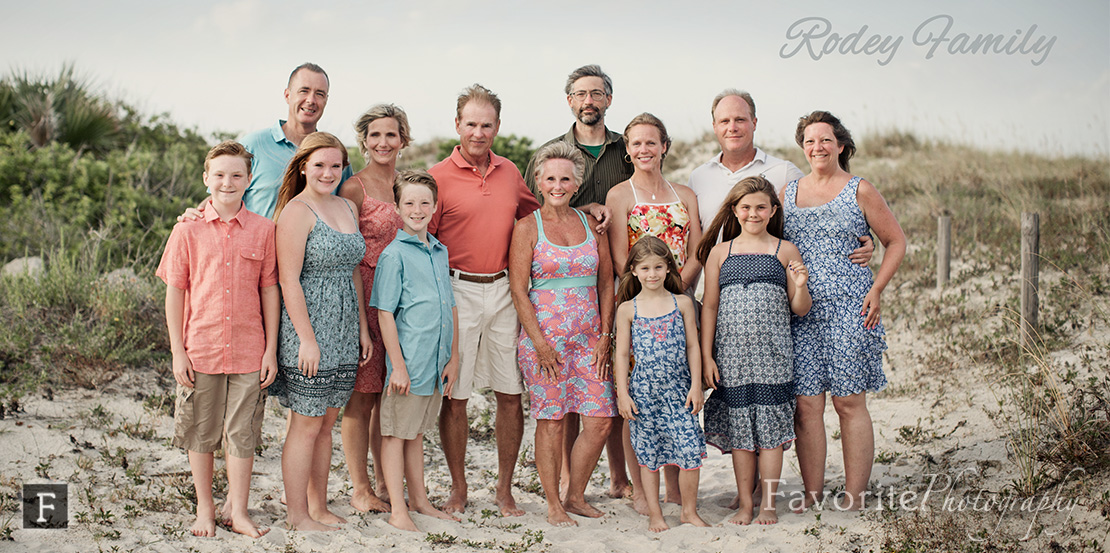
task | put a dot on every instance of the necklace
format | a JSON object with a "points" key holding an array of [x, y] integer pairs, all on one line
{"points": [[644, 189]]}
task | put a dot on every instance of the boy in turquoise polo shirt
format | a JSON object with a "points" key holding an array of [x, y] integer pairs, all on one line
{"points": [[419, 325]]}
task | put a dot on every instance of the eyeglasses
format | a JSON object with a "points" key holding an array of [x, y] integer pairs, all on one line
{"points": [[596, 95]]}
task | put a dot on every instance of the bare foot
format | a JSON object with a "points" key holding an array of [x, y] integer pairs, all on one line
{"points": [[366, 501], [767, 516], [507, 505], [559, 517], [204, 527], [283, 498], [582, 508], [692, 519], [327, 517], [244, 525], [402, 521], [456, 503], [734, 504], [806, 504], [564, 486], [849, 502], [618, 491], [743, 517], [431, 511], [639, 502], [657, 524], [309, 525], [675, 498]]}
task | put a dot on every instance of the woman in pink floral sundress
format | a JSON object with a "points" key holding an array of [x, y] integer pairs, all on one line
{"points": [[563, 294], [382, 132]]}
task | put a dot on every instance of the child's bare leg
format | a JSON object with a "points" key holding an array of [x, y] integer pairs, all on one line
{"points": [[587, 450], [651, 493], [238, 495], [639, 495], [296, 465], [770, 467], [318, 476], [744, 468], [356, 432], [670, 485], [288, 425], [619, 484], [201, 466], [688, 485], [393, 467], [414, 475], [549, 457], [376, 451]]}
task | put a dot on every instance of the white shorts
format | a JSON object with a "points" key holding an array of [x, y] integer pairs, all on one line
{"points": [[488, 330]]}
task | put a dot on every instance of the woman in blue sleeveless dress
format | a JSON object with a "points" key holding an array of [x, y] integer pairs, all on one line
{"points": [[838, 346]]}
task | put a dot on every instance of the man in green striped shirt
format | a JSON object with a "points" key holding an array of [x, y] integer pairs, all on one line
{"points": [[589, 92]]}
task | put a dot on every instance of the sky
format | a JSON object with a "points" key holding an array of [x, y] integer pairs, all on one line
{"points": [[222, 66]]}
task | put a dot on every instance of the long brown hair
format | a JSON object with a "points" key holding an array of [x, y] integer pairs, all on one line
{"points": [[643, 248], [294, 181], [725, 222]]}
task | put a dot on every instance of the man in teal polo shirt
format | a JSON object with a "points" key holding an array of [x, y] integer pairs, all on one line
{"points": [[273, 147]]}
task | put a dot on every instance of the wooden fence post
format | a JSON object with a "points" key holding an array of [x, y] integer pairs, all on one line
{"points": [[944, 249], [1030, 277]]}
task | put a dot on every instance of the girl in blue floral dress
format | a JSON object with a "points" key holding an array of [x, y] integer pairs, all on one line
{"points": [[663, 395], [754, 280]]}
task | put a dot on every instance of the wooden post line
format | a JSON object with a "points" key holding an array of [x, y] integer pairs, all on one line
{"points": [[1030, 277], [944, 249]]}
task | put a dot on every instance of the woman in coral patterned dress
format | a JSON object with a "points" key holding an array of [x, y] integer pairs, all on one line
{"points": [[383, 131], [559, 275], [646, 204]]}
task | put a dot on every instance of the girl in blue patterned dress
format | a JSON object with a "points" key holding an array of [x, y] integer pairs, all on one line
{"points": [[839, 345], [662, 397], [323, 333], [754, 280]]}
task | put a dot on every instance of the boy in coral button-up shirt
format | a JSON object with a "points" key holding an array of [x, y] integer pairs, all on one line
{"points": [[222, 309]]}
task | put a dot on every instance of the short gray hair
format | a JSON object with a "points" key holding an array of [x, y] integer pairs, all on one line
{"points": [[732, 92], [592, 70], [560, 150]]}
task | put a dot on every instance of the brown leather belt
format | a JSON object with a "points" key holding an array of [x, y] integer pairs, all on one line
{"points": [[480, 279]]}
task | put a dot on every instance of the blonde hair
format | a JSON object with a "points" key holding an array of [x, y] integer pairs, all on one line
{"points": [[477, 93], [382, 111], [725, 222], [645, 248], [294, 181]]}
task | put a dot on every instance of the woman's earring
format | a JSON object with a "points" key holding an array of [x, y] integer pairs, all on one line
{"points": [[627, 158]]}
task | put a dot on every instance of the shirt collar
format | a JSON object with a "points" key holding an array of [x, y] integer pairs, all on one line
{"points": [[211, 215], [407, 238], [760, 156], [462, 163], [277, 133], [610, 136]]}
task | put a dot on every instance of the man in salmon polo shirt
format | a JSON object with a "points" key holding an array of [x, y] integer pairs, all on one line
{"points": [[481, 195]]}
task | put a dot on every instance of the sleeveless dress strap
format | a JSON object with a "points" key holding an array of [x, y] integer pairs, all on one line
{"points": [[674, 301], [779, 245], [676, 198], [582, 217], [541, 237], [730, 246], [635, 310], [635, 197], [308, 206], [348, 203]]}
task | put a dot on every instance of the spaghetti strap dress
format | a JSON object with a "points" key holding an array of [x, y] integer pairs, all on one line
{"points": [[330, 258], [833, 351], [753, 405], [564, 296], [378, 222], [665, 432]]}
